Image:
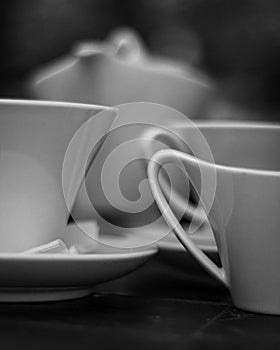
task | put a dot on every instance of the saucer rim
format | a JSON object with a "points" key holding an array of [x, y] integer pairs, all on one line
{"points": [[79, 257], [49, 103]]}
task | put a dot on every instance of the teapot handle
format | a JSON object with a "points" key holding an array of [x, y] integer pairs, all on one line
{"points": [[128, 45]]}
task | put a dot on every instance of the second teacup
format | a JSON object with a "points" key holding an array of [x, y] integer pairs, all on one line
{"points": [[242, 205]]}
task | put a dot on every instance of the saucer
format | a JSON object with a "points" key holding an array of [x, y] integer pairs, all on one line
{"points": [[51, 277], [171, 250]]}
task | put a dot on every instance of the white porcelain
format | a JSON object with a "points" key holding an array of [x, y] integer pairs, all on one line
{"points": [[243, 208], [206, 139], [120, 70], [50, 277], [83, 237], [174, 254], [34, 138], [203, 238], [111, 193], [115, 72]]}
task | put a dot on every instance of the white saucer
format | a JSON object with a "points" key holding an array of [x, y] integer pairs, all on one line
{"points": [[49, 277]]}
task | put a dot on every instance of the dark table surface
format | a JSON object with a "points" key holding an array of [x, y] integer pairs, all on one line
{"points": [[167, 304]]}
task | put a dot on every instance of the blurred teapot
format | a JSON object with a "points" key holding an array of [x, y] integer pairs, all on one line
{"points": [[120, 70]]}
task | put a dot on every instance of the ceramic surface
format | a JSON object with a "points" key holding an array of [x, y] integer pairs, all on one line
{"points": [[116, 72], [120, 70], [48, 277], [34, 138], [243, 212]]}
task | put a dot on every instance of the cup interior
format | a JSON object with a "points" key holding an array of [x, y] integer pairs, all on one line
{"points": [[250, 146]]}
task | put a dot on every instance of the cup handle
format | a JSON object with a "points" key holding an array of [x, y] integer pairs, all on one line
{"points": [[158, 160], [172, 142]]}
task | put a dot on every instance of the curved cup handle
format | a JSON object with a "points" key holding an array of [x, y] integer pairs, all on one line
{"points": [[162, 137], [159, 159]]}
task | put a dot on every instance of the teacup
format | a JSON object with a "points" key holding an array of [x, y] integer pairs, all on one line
{"points": [[34, 138], [116, 192], [118, 71], [240, 195], [208, 139]]}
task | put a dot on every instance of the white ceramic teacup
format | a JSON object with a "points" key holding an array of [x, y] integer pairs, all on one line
{"points": [[221, 139], [242, 205], [116, 192], [118, 71], [34, 137]]}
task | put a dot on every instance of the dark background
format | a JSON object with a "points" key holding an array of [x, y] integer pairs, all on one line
{"points": [[237, 42]]}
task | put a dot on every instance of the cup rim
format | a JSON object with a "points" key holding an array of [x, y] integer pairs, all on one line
{"points": [[234, 124], [224, 168], [46, 103], [231, 124]]}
